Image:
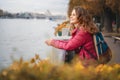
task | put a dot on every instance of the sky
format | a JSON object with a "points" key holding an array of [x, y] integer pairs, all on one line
{"points": [[54, 6]]}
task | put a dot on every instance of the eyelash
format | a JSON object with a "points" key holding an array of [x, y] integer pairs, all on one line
{"points": [[72, 14]]}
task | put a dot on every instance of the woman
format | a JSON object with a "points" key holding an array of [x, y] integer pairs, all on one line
{"points": [[82, 32]]}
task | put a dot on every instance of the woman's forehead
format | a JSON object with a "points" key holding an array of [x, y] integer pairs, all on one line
{"points": [[73, 11]]}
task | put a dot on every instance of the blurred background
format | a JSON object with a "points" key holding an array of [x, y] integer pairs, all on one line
{"points": [[26, 24]]}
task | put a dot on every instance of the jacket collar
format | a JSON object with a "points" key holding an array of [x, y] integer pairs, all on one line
{"points": [[75, 31]]}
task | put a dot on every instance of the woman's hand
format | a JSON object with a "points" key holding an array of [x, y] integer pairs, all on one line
{"points": [[49, 42]]}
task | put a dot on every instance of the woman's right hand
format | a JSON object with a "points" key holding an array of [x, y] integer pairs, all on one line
{"points": [[49, 42]]}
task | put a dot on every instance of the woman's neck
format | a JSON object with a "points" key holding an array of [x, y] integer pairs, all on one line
{"points": [[77, 25]]}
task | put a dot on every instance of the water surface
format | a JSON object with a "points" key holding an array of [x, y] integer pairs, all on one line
{"points": [[24, 38]]}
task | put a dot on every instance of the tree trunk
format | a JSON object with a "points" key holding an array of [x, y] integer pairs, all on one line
{"points": [[102, 21], [108, 20], [117, 22]]}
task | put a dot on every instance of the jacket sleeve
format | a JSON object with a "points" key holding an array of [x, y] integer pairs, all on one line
{"points": [[75, 42]]}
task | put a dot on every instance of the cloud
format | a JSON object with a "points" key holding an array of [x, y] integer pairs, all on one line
{"points": [[34, 5]]}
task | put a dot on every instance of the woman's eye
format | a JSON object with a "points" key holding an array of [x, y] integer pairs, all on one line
{"points": [[73, 14]]}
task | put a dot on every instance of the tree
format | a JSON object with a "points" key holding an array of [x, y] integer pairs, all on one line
{"points": [[114, 5], [101, 8], [73, 3], [1, 12]]}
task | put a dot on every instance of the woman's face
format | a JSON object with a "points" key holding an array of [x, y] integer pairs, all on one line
{"points": [[73, 18]]}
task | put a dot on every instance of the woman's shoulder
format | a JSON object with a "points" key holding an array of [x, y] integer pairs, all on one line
{"points": [[80, 32], [83, 31]]}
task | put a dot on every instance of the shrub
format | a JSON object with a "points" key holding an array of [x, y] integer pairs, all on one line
{"points": [[37, 69]]}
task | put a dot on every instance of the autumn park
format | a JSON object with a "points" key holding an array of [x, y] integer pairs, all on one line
{"points": [[106, 15]]}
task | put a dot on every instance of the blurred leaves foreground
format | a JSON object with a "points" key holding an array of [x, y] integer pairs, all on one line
{"points": [[37, 69]]}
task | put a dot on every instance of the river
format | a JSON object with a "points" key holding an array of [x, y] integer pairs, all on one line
{"points": [[24, 38]]}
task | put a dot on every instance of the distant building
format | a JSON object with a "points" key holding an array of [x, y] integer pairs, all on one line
{"points": [[28, 15]]}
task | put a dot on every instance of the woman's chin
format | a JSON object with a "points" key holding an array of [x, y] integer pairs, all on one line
{"points": [[71, 22]]}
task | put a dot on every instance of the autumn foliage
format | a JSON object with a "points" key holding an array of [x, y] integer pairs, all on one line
{"points": [[60, 26], [37, 69]]}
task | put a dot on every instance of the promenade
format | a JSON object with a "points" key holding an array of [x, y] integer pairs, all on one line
{"points": [[115, 47]]}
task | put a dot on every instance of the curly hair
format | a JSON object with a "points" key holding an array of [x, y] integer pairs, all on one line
{"points": [[85, 19]]}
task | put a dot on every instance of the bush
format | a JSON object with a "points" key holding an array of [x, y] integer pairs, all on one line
{"points": [[37, 69]]}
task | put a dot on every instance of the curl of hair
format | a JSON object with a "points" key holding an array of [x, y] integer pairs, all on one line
{"points": [[85, 20]]}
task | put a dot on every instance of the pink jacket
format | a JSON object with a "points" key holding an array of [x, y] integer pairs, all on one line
{"points": [[79, 38]]}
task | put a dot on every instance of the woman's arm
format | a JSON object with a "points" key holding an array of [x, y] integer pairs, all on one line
{"points": [[75, 42]]}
